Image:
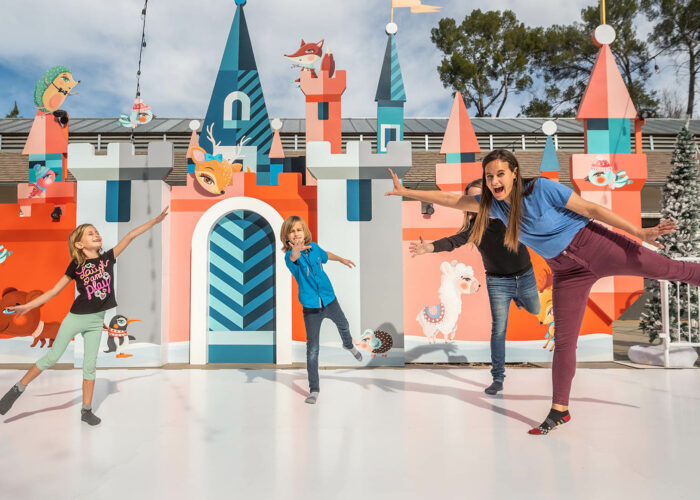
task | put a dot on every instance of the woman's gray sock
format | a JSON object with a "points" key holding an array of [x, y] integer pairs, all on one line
{"points": [[20, 387]]}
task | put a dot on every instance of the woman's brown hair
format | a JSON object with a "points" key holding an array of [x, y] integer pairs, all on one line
{"points": [[287, 226], [521, 187], [469, 216], [75, 236]]}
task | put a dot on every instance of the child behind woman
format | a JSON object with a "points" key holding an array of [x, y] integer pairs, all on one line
{"points": [[305, 260]]}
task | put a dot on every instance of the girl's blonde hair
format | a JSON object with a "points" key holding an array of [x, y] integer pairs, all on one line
{"points": [[521, 187], [287, 226], [76, 235]]}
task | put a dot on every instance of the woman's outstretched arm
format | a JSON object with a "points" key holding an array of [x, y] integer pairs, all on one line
{"points": [[450, 200], [607, 216]]}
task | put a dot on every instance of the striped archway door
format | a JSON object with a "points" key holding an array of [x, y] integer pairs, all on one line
{"points": [[241, 315]]}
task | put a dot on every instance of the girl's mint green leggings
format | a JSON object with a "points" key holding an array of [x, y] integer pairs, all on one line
{"points": [[90, 325]]}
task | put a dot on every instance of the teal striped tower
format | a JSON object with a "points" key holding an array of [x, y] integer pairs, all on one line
{"points": [[237, 105], [390, 96], [549, 166]]}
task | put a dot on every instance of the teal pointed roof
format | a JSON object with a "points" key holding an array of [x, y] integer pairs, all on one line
{"points": [[238, 82], [238, 53], [550, 162], [390, 86]]}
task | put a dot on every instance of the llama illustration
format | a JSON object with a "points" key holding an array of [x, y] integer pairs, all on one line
{"points": [[457, 279]]}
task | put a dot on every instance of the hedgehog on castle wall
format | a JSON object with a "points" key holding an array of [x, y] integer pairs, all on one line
{"points": [[376, 342]]}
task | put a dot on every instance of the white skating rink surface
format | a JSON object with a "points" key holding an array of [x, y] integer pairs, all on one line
{"points": [[378, 433]]}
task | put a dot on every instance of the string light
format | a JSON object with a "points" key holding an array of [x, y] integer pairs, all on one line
{"points": [[143, 46]]}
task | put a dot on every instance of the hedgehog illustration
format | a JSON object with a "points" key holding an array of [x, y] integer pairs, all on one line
{"points": [[376, 342]]}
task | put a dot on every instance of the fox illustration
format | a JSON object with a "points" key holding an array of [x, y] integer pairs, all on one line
{"points": [[308, 54], [546, 316], [214, 172]]}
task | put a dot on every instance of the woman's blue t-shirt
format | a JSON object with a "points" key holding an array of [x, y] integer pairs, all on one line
{"points": [[315, 289], [546, 225]]}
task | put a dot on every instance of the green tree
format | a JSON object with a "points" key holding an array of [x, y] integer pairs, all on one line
{"points": [[680, 202], [564, 57], [677, 31], [486, 58], [14, 113]]}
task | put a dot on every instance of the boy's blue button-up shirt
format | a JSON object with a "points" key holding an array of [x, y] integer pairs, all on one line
{"points": [[315, 289]]}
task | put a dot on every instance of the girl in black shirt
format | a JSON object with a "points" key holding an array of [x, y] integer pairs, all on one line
{"points": [[93, 272]]}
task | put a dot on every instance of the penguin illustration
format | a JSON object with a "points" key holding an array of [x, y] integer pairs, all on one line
{"points": [[118, 339]]}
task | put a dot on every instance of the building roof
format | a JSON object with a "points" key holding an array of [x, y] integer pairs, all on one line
{"points": [[14, 166], [653, 126]]}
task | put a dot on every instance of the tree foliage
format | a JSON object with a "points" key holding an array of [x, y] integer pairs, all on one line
{"points": [[14, 113], [564, 57], [677, 31], [486, 58]]}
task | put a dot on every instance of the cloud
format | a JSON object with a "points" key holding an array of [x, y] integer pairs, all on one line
{"points": [[185, 41]]}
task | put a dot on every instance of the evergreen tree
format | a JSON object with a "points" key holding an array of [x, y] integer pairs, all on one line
{"points": [[14, 113], [680, 202]]}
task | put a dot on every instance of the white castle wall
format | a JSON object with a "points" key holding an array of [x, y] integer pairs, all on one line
{"points": [[372, 294], [139, 270]]}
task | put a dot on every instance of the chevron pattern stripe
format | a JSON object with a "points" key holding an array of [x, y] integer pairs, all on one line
{"points": [[242, 274]]}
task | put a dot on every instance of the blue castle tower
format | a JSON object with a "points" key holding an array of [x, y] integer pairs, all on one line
{"points": [[390, 96], [237, 106]]}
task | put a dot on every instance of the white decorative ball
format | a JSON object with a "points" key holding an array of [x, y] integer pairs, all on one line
{"points": [[604, 34], [549, 127], [391, 29], [194, 125], [276, 124]]}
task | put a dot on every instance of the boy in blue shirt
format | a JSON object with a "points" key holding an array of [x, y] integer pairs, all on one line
{"points": [[305, 260]]}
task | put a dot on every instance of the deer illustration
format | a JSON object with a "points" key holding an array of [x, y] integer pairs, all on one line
{"points": [[214, 172]]}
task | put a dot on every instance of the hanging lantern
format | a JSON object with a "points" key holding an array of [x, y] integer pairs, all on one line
{"points": [[140, 115]]}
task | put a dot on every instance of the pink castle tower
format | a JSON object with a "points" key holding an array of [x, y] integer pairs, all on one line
{"points": [[459, 145], [609, 173], [323, 95]]}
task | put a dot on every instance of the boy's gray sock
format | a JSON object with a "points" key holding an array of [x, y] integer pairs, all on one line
{"points": [[355, 352], [20, 387], [312, 398]]}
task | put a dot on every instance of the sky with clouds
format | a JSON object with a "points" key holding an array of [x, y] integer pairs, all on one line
{"points": [[99, 40]]}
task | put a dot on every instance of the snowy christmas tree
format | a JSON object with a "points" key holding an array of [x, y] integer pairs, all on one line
{"points": [[680, 202]]}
